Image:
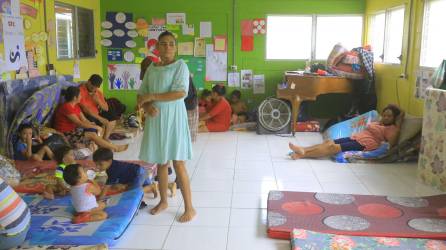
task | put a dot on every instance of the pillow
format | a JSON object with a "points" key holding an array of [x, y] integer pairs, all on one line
{"points": [[8, 172], [410, 127], [336, 55]]}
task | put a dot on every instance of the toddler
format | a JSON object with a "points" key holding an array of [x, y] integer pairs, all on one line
{"points": [[83, 195], [122, 175], [205, 101], [64, 156]]}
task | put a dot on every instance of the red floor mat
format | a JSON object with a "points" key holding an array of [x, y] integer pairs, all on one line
{"points": [[358, 215]]}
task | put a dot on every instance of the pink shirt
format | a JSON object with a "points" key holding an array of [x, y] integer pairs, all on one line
{"points": [[374, 135]]}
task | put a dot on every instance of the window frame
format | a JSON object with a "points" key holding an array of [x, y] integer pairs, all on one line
{"points": [[76, 51], [423, 39], [313, 33], [386, 13]]}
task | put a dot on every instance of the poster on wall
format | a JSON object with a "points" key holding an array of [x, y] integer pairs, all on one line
{"points": [[188, 30], [234, 79], [10, 7], [205, 29], [259, 84], [216, 64], [155, 31], [246, 76], [123, 76], [186, 49], [114, 55], [200, 47], [119, 25], [14, 43], [176, 18]]}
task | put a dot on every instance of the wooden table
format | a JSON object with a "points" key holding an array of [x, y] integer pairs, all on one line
{"points": [[308, 87]]}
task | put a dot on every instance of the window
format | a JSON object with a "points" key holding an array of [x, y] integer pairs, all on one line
{"points": [[331, 30], [386, 34], [289, 37], [310, 37], [64, 29], [377, 26], [75, 32], [434, 39]]}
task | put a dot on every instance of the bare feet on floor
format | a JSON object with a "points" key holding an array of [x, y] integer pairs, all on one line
{"points": [[298, 151], [187, 216], [295, 156], [159, 208]]}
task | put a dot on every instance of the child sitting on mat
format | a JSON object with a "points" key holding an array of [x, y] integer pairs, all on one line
{"points": [[83, 195], [24, 148], [122, 175], [64, 156]]}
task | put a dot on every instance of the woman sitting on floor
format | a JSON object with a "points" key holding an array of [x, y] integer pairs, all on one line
{"points": [[70, 120], [386, 130], [218, 119]]}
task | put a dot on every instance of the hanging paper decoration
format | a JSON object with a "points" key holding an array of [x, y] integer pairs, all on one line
{"points": [[152, 52], [114, 55], [119, 24], [129, 56], [259, 25], [142, 27], [27, 10], [247, 35]]}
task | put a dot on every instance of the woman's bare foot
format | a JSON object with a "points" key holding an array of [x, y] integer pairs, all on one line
{"points": [[296, 149], [159, 208], [187, 216], [296, 156], [121, 148]]}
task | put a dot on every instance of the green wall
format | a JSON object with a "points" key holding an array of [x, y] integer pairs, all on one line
{"points": [[221, 14]]}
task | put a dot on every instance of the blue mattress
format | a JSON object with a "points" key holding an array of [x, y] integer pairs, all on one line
{"points": [[51, 221]]}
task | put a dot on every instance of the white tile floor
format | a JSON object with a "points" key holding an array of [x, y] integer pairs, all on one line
{"points": [[231, 175]]}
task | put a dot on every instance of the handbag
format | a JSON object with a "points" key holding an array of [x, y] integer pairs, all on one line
{"points": [[55, 141]]}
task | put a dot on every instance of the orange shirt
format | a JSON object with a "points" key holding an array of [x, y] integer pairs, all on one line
{"points": [[374, 135], [87, 100], [220, 115]]}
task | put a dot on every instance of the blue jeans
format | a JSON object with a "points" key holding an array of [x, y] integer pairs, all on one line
{"points": [[142, 179], [7, 242]]}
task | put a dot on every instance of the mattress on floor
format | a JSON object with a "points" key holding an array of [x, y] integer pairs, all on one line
{"points": [[36, 175], [51, 221], [302, 239], [62, 247], [358, 215]]}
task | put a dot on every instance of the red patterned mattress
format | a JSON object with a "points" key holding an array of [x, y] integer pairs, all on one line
{"points": [[357, 215]]}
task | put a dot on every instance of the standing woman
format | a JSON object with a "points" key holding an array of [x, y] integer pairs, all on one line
{"points": [[166, 131]]}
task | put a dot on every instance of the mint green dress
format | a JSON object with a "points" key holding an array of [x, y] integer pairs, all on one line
{"points": [[166, 136]]}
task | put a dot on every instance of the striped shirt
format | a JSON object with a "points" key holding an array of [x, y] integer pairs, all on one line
{"points": [[15, 216]]}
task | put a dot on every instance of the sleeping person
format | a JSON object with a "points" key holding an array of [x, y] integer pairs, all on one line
{"points": [[386, 130]]}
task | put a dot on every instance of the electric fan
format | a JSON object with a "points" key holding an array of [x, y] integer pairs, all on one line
{"points": [[274, 117]]}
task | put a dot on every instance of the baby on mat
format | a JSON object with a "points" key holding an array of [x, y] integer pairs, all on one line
{"points": [[83, 195], [64, 156]]}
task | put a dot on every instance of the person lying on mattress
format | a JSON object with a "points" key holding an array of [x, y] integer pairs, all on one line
{"points": [[70, 121], [122, 175], [83, 195], [64, 156], [218, 117], [386, 130], [25, 149]]}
